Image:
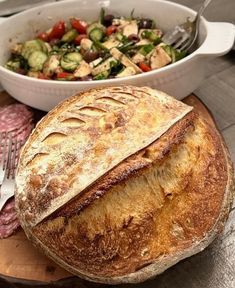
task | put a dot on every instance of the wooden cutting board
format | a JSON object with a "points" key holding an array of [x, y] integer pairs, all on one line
{"points": [[22, 264]]}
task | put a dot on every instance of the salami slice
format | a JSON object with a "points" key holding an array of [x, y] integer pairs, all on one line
{"points": [[7, 230], [14, 116], [7, 218], [18, 120], [26, 127], [21, 134], [9, 206], [24, 132]]}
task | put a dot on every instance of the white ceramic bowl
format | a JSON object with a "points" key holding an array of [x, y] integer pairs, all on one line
{"points": [[178, 79]]}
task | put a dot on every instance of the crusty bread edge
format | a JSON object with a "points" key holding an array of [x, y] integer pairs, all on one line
{"points": [[52, 113], [164, 262]]}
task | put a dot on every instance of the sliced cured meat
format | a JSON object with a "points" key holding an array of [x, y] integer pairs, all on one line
{"points": [[18, 120], [9, 206], [24, 132], [21, 134], [7, 218], [9, 229], [21, 130], [14, 116]]}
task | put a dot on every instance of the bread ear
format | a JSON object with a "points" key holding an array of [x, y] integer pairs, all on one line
{"points": [[84, 134]]}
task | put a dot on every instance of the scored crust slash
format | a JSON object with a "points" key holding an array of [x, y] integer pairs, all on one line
{"points": [[113, 202]]}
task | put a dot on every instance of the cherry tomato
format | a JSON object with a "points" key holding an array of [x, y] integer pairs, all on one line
{"points": [[79, 25], [78, 39], [65, 76], [111, 29], [57, 31], [43, 36], [144, 67]]}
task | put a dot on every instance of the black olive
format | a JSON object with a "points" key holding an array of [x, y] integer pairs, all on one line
{"points": [[131, 53], [134, 38], [102, 53], [145, 23], [108, 19], [90, 56]]}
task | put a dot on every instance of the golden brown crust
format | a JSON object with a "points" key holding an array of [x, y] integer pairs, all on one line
{"points": [[169, 226], [162, 204], [134, 165], [94, 130]]}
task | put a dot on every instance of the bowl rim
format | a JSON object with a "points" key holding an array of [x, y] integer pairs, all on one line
{"points": [[104, 81]]}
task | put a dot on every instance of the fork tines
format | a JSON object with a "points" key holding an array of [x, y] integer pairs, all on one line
{"points": [[9, 154], [13, 155], [11, 158], [3, 154]]}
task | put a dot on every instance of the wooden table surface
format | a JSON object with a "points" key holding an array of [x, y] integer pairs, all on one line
{"points": [[214, 267]]}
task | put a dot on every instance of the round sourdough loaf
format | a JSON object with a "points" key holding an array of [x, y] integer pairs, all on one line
{"points": [[117, 184]]}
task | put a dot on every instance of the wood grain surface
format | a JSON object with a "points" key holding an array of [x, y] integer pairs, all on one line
{"points": [[215, 266]]}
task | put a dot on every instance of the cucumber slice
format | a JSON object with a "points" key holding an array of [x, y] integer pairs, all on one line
{"points": [[13, 65], [95, 25], [102, 76], [44, 45], [74, 56], [70, 61], [68, 66], [119, 36], [178, 55], [96, 34], [69, 36], [145, 49], [31, 46], [36, 60], [152, 36], [175, 54]]}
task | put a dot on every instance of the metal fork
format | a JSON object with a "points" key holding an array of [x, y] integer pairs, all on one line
{"points": [[183, 36], [3, 147], [8, 184]]}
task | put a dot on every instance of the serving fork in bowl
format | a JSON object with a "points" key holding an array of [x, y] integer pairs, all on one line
{"points": [[9, 149], [184, 36]]}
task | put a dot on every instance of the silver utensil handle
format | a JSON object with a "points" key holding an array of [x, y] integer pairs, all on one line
{"points": [[196, 21], [202, 8], [199, 14]]}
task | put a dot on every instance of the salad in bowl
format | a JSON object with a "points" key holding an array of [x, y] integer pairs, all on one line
{"points": [[78, 50]]}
